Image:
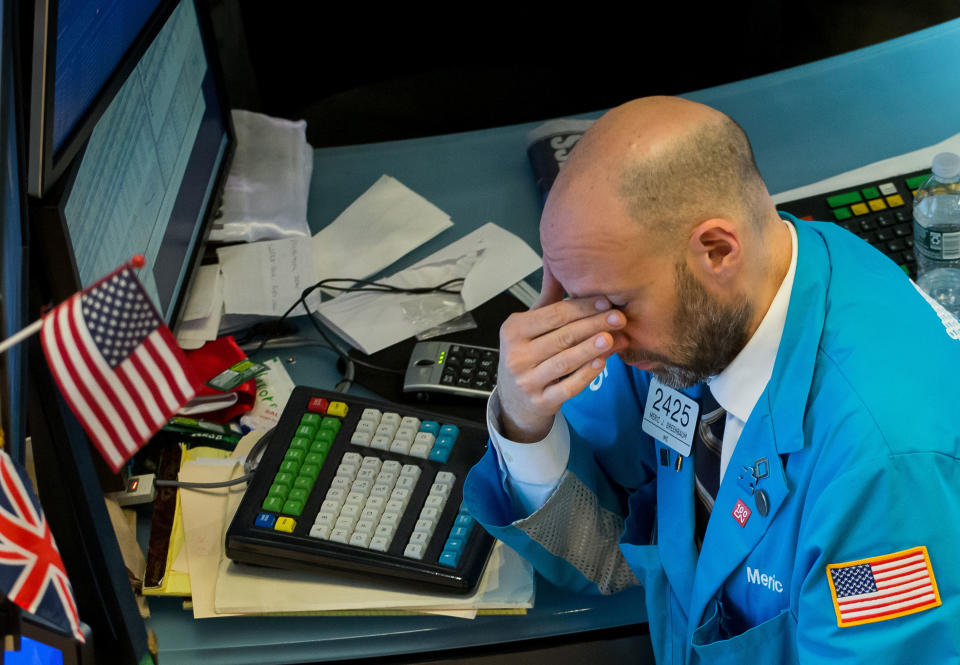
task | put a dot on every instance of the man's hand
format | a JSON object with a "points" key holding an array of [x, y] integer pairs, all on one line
{"points": [[550, 354]]}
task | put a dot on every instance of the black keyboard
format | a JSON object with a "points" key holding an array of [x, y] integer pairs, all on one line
{"points": [[880, 212], [367, 487]]}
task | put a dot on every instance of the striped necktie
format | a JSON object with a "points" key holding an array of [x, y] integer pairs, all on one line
{"points": [[707, 444]]}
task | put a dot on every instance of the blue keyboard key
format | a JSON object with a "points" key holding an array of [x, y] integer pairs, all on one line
{"points": [[460, 532], [453, 544], [450, 430], [449, 558], [444, 441], [265, 520], [431, 426], [439, 454]]}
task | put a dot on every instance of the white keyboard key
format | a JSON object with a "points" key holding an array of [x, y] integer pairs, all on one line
{"points": [[366, 426], [348, 470], [387, 478], [355, 499], [339, 535], [429, 513], [385, 531], [425, 438], [391, 418], [376, 502], [413, 551], [390, 518], [401, 494], [406, 482], [405, 434], [381, 442], [420, 537], [381, 490], [336, 495], [888, 189], [326, 519], [379, 543], [365, 526], [410, 422], [426, 526], [320, 531], [341, 483], [371, 463], [352, 511], [386, 430], [362, 486], [391, 466], [367, 474], [440, 489], [446, 478], [360, 539], [371, 514], [373, 415], [411, 470], [361, 438], [400, 446], [393, 506], [331, 506], [345, 523], [352, 458], [432, 501], [420, 450]]}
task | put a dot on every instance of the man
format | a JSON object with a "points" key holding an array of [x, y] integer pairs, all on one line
{"points": [[821, 524]]}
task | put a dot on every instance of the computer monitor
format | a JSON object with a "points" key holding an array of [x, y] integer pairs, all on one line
{"points": [[12, 252], [70, 81], [149, 176]]}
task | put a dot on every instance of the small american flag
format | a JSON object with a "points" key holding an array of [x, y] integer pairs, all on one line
{"points": [[116, 363], [31, 571], [883, 587]]}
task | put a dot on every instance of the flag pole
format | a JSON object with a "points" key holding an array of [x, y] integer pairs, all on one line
{"points": [[137, 262]]}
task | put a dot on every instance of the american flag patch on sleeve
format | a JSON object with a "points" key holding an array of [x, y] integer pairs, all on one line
{"points": [[882, 587]]}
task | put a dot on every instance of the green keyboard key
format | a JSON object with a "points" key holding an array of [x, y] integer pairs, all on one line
{"points": [[870, 193], [842, 213], [315, 459], [284, 478], [292, 507], [299, 495], [311, 419], [326, 434], [311, 470], [279, 490], [331, 423], [301, 442], [273, 503], [916, 181], [295, 454], [290, 466], [843, 199], [304, 483], [308, 431]]}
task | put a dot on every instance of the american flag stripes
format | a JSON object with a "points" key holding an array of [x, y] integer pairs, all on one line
{"points": [[31, 571], [116, 363], [883, 587]]}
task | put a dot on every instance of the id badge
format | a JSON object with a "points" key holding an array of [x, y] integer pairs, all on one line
{"points": [[670, 416]]}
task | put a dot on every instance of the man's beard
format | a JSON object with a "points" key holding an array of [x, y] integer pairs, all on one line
{"points": [[708, 335]]}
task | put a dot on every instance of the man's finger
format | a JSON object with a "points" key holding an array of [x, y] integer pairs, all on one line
{"points": [[558, 365], [536, 322], [575, 383], [551, 291]]}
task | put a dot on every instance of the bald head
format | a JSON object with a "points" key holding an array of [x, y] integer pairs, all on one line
{"points": [[670, 163]]}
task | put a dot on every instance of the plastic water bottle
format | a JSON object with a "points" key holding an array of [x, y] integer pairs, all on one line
{"points": [[936, 232]]}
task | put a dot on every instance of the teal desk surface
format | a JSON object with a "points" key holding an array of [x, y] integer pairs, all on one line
{"points": [[806, 123]]}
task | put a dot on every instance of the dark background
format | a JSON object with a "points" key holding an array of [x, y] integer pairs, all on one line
{"points": [[360, 73]]}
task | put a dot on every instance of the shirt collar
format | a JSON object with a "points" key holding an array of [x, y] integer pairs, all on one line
{"points": [[738, 387]]}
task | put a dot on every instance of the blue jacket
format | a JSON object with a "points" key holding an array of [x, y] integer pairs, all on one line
{"points": [[860, 431]]}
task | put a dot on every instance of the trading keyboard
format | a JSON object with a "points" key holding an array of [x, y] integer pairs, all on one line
{"points": [[365, 486], [880, 212]]}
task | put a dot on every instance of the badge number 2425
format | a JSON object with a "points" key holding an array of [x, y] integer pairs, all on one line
{"points": [[670, 416]]}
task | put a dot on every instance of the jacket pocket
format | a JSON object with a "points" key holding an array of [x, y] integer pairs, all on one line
{"points": [[773, 641]]}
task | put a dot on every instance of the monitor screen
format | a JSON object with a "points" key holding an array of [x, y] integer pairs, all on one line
{"points": [[12, 251], [151, 171]]}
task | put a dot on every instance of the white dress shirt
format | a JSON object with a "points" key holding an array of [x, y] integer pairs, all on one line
{"points": [[532, 471]]}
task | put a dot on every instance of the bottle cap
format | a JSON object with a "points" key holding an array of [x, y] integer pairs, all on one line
{"points": [[946, 166]]}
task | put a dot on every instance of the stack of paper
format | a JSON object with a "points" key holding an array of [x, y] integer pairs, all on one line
{"points": [[201, 318]]}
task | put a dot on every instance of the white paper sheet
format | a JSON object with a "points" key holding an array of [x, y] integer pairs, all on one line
{"points": [[383, 224], [490, 259], [265, 278], [885, 168]]}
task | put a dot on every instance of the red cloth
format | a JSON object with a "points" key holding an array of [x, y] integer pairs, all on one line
{"points": [[213, 358]]}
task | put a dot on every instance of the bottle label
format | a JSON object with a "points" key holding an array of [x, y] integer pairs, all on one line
{"points": [[935, 244]]}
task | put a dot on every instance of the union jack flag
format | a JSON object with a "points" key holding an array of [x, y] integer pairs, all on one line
{"points": [[116, 363], [31, 571]]}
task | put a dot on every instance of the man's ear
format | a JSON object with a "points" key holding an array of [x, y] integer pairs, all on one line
{"points": [[715, 252]]}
